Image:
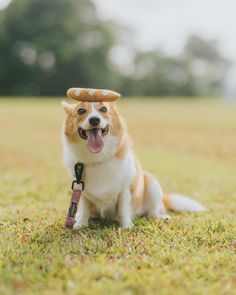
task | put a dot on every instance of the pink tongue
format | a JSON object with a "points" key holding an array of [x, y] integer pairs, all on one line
{"points": [[95, 142]]}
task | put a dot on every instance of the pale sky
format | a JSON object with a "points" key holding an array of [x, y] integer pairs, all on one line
{"points": [[167, 23]]}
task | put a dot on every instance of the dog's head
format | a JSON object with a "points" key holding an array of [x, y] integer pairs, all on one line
{"points": [[91, 123]]}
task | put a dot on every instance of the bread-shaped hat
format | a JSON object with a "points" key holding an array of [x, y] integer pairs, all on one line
{"points": [[92, 95]]}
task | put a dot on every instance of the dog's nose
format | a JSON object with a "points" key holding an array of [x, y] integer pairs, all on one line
{"points": [[94, 121]]}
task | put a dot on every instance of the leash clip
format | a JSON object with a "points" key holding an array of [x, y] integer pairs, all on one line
{"points": [[79, 169], [75, 182]]}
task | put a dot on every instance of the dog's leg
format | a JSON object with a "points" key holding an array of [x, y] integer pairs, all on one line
{"points": [[124, 209], [154, 199], [83, 214]]}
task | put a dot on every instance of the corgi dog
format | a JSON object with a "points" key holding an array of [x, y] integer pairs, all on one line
{"points": [[116, 187]]}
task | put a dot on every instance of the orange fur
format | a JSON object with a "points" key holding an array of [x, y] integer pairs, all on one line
{"points": [[166, 201], [137, 187], [122, 148], [73, 120]]}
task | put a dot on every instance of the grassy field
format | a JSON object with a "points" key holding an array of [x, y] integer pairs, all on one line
{"points": [[189, 145]]}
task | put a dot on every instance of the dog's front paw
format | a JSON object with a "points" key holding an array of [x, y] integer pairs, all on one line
{"points": [[80, 223], [126, 224]]}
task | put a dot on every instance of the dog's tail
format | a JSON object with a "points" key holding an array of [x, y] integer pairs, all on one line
{"points": [[181, 203]]}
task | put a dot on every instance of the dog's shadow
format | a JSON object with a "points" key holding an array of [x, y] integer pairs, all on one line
{"points": [[57, 232], [98, 231]]}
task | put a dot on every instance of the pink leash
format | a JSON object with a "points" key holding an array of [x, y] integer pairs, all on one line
{"points": [[77, 188]]}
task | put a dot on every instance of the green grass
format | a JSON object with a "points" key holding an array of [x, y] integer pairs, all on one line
{"points": [[189, 145]]}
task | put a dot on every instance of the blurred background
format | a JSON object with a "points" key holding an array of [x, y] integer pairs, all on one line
{"points": [[151, 48]]}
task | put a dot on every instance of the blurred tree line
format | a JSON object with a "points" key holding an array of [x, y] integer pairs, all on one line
{"points": [[47, 46]]}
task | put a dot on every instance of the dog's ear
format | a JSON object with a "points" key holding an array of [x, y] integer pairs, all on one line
{"points": [[67, 107]]}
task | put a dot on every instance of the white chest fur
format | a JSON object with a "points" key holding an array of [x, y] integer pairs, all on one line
{"points": [[109, 177], [104, 183], [105, 180]]}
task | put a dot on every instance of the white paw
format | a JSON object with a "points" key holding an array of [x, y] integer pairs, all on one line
{"points": [[80, 223], [126, 224]]}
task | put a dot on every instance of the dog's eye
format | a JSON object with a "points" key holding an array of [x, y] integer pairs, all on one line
{"points": [[81, 111], [103, 109]]}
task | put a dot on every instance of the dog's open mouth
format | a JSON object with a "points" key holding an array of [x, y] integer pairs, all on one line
{"points": [[94, 138]]}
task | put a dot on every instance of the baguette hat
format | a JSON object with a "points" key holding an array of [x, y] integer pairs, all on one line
{"points": [[92, 95]]}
